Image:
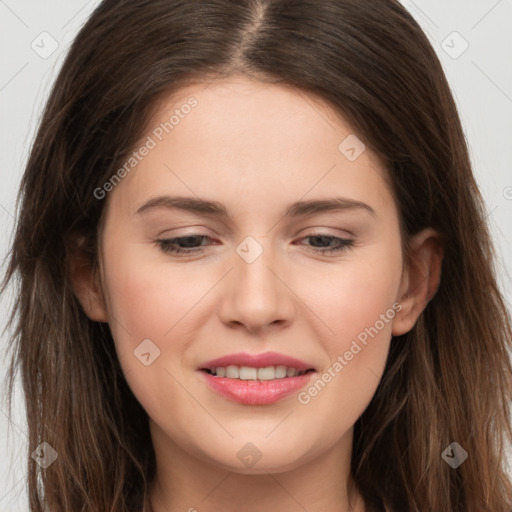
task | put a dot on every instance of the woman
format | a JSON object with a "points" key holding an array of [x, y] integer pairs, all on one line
{"points": [[182, 346]]}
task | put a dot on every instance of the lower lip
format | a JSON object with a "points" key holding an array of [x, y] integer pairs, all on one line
{"points": [[256, 392]]}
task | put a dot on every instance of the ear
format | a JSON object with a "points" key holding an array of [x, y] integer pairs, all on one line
{"points": [[421, 279], [86, 283]]}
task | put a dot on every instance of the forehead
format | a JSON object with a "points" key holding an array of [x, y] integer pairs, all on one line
{"points": [[246, 141]]}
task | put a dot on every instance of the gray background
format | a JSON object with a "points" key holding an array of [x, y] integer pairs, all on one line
{"points": [[480, 77]]}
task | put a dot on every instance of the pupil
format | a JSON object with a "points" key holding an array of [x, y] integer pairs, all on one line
{"points": [[189, 241], [322, 238]]}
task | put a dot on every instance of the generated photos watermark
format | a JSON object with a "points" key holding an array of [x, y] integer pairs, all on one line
{"points": [[151, 142], [304, 397]]}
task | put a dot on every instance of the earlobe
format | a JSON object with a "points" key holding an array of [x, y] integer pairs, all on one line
{"points": [[87, 287], [421, 281]]}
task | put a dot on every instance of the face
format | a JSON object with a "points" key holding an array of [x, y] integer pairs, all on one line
{"points": [[258, 272]]}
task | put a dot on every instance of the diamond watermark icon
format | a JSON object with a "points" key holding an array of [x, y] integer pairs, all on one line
{"points": [[44, 45], [351, 147], [454, 455], [146, 352], [44, 455], [249, 455], [454, 45], [249, 250]]}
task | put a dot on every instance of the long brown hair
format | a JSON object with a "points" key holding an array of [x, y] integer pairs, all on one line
{"points": [[448, 379]]}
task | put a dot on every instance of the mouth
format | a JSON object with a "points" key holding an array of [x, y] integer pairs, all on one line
{"points": [[256, 379]]}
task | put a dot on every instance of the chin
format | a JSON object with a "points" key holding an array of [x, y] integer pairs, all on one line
{"points": [[250, 460]]}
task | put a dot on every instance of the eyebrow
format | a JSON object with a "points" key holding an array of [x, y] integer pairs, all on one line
{"points": [[216, 209]]}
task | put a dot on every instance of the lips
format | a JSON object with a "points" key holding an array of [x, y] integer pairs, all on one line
{"points": [[261, 379]]}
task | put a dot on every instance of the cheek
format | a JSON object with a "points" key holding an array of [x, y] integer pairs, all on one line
{"points": [[143, 304], [357, 304], [148, 297], [148, 310], [353, 294]]}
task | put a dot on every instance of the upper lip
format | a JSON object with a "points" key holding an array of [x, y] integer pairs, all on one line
{"points": [[256, 361]]}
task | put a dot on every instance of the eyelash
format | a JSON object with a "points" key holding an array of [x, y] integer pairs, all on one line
{"points": [[169, 245]]}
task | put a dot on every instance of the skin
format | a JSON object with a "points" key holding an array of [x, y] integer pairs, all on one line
{"points": [[255, 148]]}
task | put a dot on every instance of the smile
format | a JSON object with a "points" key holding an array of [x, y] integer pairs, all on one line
{"points": [[256, 379]]}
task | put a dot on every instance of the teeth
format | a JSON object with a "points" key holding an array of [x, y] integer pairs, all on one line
{"points": [[290, 372], [232, 372], [282, 372], [267, 373], [249, 373]]}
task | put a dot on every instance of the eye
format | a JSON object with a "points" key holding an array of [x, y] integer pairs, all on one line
{"points": [[341, 243], [191, 244], [172, 245]]}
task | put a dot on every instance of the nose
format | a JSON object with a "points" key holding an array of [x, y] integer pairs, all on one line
{"points": [[256, 296]]}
